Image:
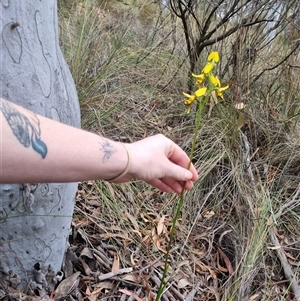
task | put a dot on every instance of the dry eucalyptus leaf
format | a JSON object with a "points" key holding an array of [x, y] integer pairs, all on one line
{"points": [[67, 286], [133, 220], [182, 283], [209, 214], [161, 226], [87, 252], [116, 263], [239, 106]]}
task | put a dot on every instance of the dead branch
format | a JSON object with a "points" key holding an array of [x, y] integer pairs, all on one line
{"points": [[287, 206], [113, 274], [289, 275], [277, 65]]}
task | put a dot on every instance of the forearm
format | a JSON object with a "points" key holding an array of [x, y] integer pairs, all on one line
{"points": [[37, 149]]}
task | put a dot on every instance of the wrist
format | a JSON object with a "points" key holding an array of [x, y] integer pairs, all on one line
{"points": [[127, 167]]}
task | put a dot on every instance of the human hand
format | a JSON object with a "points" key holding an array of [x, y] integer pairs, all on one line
{"points": [[161, 163]]}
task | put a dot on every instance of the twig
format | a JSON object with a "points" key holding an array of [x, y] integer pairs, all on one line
{"points": [[289, 275], [100, 252], [112, 274], [294, 200], [100, 260], [177, 293], [247, 157]]}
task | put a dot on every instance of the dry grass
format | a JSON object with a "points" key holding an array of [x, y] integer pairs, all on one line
{"points": [[130, 76]]}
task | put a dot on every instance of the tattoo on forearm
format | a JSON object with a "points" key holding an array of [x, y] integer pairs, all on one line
{"points": [[108, 150], [25, 128]]}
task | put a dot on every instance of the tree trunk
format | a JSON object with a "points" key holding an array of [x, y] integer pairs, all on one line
{"points": [[34, 218]]}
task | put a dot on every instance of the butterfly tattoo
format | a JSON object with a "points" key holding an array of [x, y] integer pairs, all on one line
{"points": [[25, 128]]}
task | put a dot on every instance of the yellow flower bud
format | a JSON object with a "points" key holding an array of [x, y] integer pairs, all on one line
{"points": [[215, 81], [213, 56], [200, 92], [207, 68], [200, 78]]}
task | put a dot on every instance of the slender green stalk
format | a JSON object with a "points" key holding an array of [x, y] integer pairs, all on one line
{"points": [[201, 95], [163, 283]]}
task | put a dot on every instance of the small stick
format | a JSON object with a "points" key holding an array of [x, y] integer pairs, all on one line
{"points": [[287, 206], [289, 275], [112, 274]]}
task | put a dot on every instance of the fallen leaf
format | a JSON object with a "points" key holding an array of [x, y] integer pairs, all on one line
{"points": [[87, 252], [159, 247], [205, 267], [133, 221], [161, 226], [67, 286], [183, 263], [274, 248], [104, 285], [209, 214], [255, 297], [183, 283], [116, 263], [227, 261], [131, 278], [112, 235], [239, 105]]}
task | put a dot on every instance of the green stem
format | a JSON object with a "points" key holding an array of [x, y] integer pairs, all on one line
{"points": [[163, 283]]}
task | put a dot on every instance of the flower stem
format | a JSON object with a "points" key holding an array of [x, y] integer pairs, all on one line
{"points": [[163, 283]]}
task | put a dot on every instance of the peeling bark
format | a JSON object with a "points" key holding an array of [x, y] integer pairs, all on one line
{"points": [[35, 218]]}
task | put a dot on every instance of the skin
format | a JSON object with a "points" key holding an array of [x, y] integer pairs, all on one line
{"points": [[35, 149]]}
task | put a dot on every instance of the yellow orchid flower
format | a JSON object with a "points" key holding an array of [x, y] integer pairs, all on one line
{"points": [[213, 56], [190, 98], [200, 78], [188, 109], [220, 91], [200, 92], [215, 81], [207, 68]]}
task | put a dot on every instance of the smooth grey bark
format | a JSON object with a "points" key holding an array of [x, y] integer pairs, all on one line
{"points": [[34, 218]]}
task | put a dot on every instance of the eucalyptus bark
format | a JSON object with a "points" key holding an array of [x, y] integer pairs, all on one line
{"points": [[35, 218]]}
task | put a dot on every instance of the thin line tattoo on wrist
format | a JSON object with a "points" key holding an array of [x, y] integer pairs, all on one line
{"points": [[25, 128], [108, 150]]}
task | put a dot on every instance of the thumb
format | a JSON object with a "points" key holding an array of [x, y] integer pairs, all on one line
{"points": [[178, 173]]}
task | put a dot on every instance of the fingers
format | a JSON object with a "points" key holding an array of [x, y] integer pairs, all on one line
{"points": [[161, 163], [169, 185], [179, 173], [159, 184], [181, 159]]}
